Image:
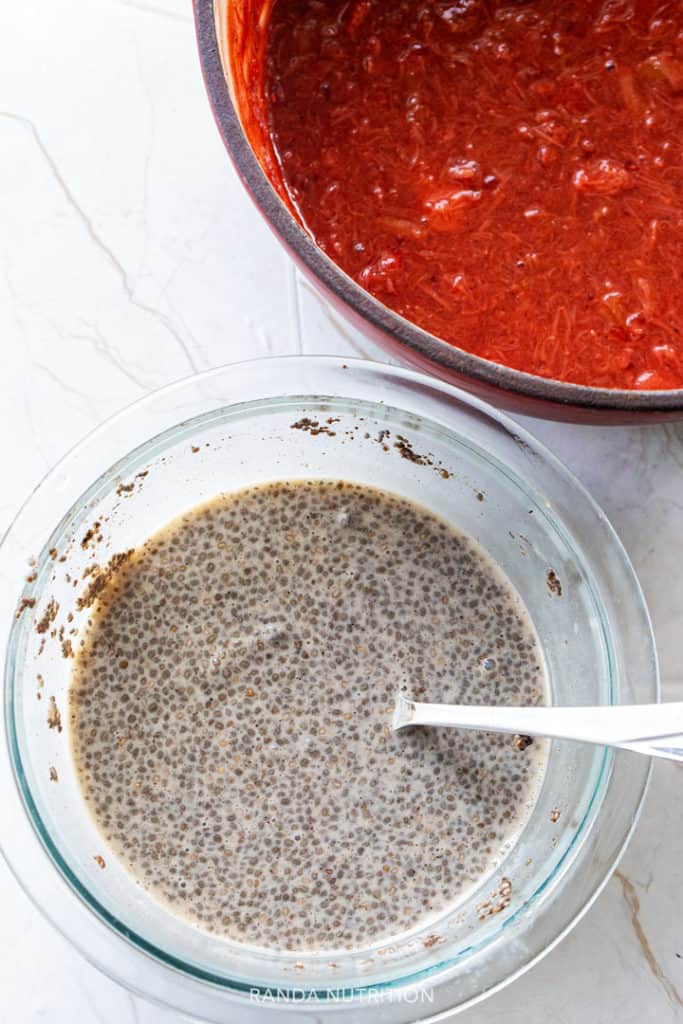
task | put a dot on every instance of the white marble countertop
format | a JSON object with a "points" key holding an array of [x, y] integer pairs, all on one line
{"points": [[130, 256]]}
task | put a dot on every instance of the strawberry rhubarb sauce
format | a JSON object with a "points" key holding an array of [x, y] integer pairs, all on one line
{"points": [[507, 175], [231, 711]]}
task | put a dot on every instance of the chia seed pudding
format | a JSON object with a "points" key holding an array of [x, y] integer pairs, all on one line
{"points": [[231, 708]]}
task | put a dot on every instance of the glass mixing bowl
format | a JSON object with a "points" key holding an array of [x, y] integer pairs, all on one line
{"points": [[232, 427]]}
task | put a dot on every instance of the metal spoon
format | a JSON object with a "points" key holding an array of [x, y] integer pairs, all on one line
{"points": [[652, 729]]}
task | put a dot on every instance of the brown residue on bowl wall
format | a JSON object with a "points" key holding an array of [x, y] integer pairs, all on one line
{"points": [[54, 718], [498, 902], [125, 489], [26, 602], [92, 533], [313, 427], [554, 585], [100, 576], [48, 616], [402, 444], [406, 451]]}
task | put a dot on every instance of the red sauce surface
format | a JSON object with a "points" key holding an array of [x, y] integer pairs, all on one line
{"points": [[508, 175]]}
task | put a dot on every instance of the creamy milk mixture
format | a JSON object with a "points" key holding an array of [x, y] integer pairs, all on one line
{"points": [[231, 713]]}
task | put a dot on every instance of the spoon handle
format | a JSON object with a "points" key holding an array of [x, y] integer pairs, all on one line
{"points": [[652, 729]]}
